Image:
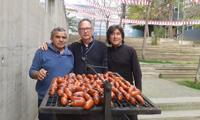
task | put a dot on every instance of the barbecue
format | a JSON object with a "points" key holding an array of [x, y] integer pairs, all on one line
{"points": [[110, 106]]}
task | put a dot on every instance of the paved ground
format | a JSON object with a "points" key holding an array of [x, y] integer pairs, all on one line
{"points": [[160, 88]]}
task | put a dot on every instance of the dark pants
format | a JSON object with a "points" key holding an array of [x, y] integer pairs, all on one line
{"points": [[42, 116], [80, 117], [127, 117]]}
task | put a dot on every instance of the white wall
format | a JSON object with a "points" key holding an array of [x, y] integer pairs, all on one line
{"points": [[24, 25]]}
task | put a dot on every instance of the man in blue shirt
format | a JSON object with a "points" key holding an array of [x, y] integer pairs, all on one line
{"points": [[58, 60]]}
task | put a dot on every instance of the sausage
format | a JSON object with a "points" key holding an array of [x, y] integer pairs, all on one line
{"points": [[64, 101], [96, 98], [54, 86], [64, 95], [87, 96], [116, 84], [140, 99], [132, 100], [61, 85], [100, 83], [90, 76], [79, 77], [79, 94], [128, 96], [112, 95], [60, 92], [131, 88], [72, 75], [68, 92], [91, 91], [122, 91], [110, 79], [54, 81], [123, 85], [134, 93], [51, 92], [127, 83], [60, 80], [115, 90], [77, 101], [119, 96], [77, 83], [89, 104], [66, 77]]}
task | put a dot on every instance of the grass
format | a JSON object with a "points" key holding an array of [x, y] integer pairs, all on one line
{"points": [[156, 62], [190, 83]]}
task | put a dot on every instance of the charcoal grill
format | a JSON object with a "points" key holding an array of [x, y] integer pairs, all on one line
{"points": [[52, 105]]}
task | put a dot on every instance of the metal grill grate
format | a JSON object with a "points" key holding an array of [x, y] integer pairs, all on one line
{"points": [[52, 104]]}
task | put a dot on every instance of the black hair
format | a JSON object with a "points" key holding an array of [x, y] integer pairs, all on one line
{"points": [[111, 29]]}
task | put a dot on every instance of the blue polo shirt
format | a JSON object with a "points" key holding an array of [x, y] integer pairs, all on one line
{"points": [[55, 63]]}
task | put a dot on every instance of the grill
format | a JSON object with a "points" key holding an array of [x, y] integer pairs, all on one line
{"points": [[52, 105]]}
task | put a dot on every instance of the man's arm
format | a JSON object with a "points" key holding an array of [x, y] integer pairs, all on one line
{"points": [[39, 75], [36, 71], [136, 70]]}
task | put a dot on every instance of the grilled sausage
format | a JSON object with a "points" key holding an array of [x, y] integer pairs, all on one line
{"points": [[134, 93], [96, 98], [68, 92], [89, 104], [60, 92], [140, 99], [77, 101], [132, 100], [64, 101], [79, 94], [51, 92]]}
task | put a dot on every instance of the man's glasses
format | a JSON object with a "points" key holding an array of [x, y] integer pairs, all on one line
{"points": [[85, 29]]}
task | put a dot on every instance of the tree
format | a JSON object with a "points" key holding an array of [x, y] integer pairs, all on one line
{"points": [[171, 8], [72, 23], [197, 73], [104, 12]]}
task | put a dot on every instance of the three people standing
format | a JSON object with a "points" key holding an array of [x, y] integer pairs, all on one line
{"points": [[118, 57]]}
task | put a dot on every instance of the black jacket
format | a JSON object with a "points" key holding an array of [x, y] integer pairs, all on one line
{"points": [[95, 54], [124, 61]]}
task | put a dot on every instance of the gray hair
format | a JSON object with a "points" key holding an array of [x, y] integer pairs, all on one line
{"points": [[85, 19], [57, 29]]}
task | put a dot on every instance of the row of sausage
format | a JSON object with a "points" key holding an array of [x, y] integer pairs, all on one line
{"points": [[87, 90]]}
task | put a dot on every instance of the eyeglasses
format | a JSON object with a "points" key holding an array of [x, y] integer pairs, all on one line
{"points": [[85, 29]]}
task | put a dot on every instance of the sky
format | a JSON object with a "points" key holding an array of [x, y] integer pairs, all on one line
{"points": [[71, 1], [75, 1]]}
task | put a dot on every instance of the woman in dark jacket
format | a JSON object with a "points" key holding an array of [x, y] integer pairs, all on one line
{"points": [[123, 58]]}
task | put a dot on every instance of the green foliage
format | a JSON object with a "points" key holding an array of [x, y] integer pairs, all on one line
{"points": [[156, 62], [190, 83], [72, 24], [138, 27], [166, 62], [158, 32], [136, 12], [159, 10]]}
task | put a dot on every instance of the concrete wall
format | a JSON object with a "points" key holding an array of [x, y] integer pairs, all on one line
{"points": [[24, 25]]}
